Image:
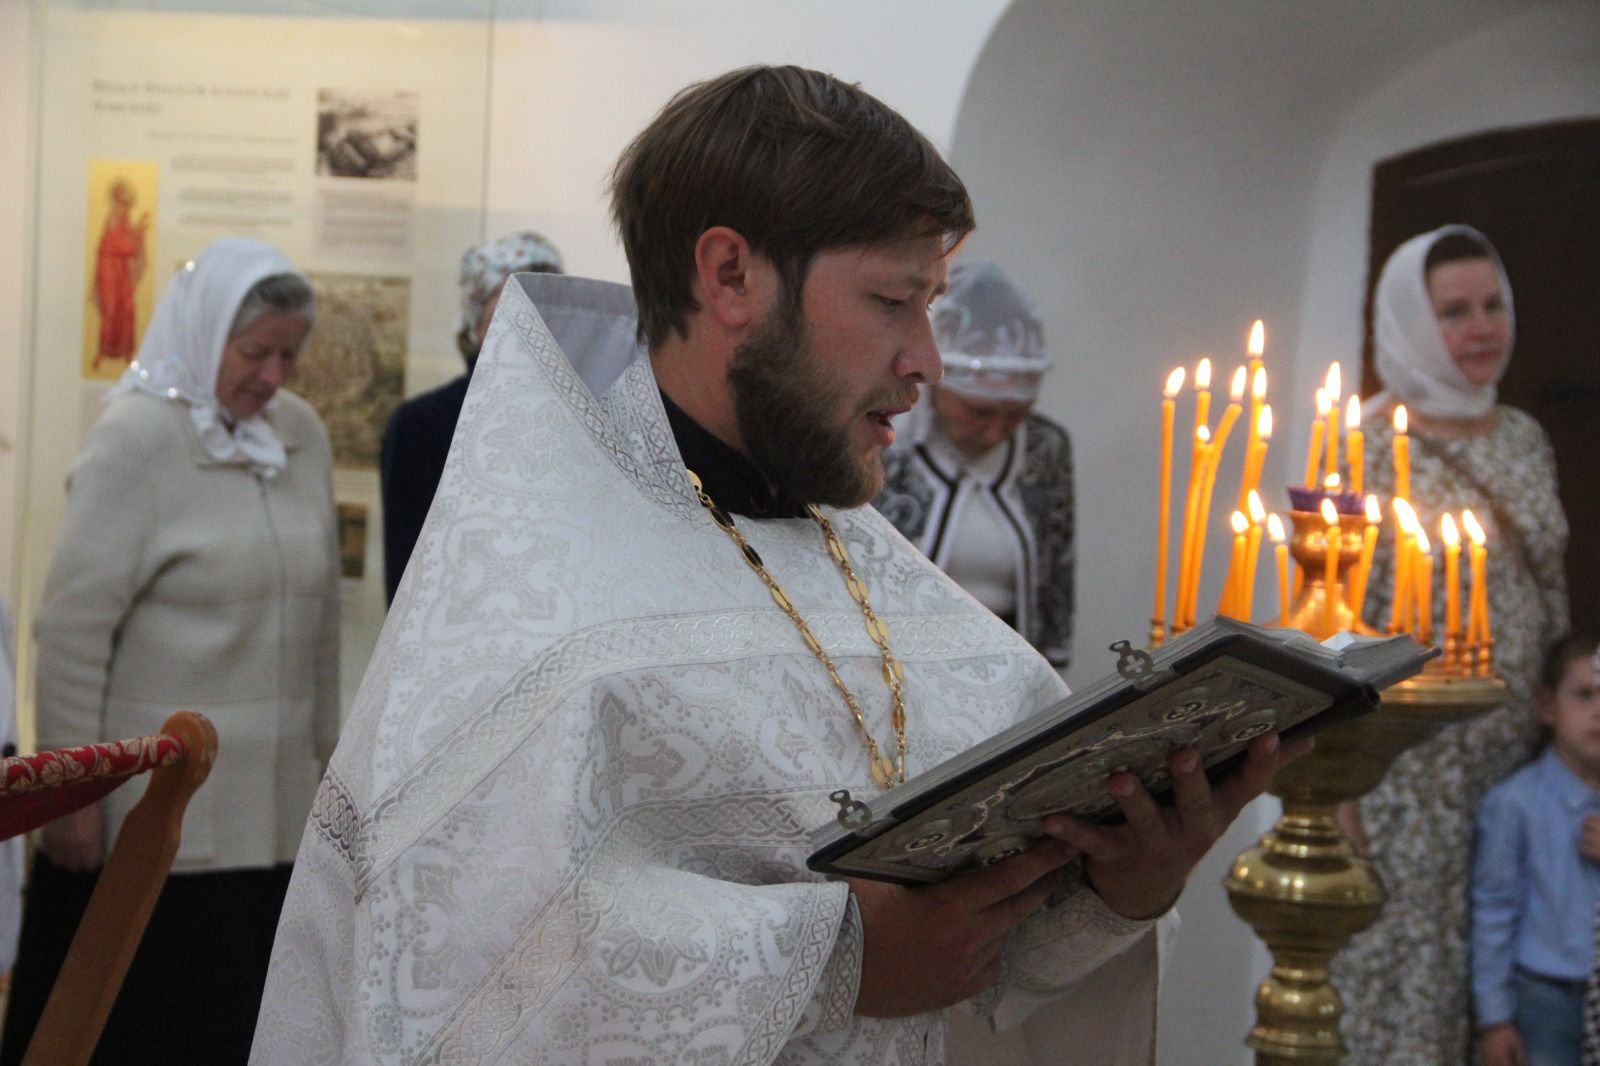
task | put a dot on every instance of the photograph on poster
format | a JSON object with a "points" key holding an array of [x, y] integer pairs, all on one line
{"points": [[119, 290], [367, 134], [353, 367], [352, 540]]}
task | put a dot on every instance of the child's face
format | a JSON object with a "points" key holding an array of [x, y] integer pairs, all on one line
{"points": [[1572, 712]]}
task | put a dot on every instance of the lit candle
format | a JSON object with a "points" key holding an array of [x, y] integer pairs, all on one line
{"points": [[1330, 564], [1169, 399], [1424, 577], [1230, 414], [1332, 387], [1314, 454], [1355, 444], [1400, 611], [1478, 618], [1452, 576], [1191, 508], [1202, 388], [1330, 484], [1203, 523], [1230, 594], [1256, 346], [1402, 453], [1258, 515], [1275, 531], [1255, 455], [1369, 545]]}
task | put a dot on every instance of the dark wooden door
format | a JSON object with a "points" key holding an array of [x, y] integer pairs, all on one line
{"points": [[1535, 193]]}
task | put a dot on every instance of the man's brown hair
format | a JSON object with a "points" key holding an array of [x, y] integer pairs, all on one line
{"points": [[794, 160]]}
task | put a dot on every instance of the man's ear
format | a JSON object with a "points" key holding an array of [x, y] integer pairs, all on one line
{"points": [[734, 285]]}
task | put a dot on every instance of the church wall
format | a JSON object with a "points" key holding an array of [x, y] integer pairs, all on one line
{"points": [[16, 22]]}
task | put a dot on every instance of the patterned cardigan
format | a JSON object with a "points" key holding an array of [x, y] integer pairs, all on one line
{"points": [[924, 497]]}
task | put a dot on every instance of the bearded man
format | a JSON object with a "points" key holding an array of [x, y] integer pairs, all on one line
{"points": [[651, 627]]}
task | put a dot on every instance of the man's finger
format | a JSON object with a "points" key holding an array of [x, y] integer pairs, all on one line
{"points": [[1191, 792], [1251, 779], [1140, 810], [978, 890]]}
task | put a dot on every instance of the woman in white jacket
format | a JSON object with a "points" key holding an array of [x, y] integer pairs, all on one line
{"points": [[196, 568]]}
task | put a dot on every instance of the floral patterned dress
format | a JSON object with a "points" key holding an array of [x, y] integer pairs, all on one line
{"points": [[1405, 980]]}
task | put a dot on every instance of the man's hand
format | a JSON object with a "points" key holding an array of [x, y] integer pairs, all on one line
{"points": [[933, 945], [1501, 1045], [1589, 839], [76, 841], [1139, 867]]}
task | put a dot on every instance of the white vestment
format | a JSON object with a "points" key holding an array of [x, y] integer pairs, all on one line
{"points": [[567, 822]]}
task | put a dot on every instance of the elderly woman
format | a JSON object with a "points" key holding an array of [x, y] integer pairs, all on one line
{"points": [[976, 479], [196, 568], [1444, 330]]}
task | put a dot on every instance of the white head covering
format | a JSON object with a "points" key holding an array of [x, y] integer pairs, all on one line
{"points": [[486, 266], [182, 350], [1412, 360], [989, 335]]}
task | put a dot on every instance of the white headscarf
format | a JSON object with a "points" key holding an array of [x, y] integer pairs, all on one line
{"points": [[989, 335], [181, 353], [1412, 360]]}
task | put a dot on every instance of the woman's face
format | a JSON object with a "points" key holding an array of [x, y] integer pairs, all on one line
{"points": [[257, 360], [1472, 316]]}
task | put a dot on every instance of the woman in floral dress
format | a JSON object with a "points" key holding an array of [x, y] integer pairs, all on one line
{"points": [[1444, 332]]}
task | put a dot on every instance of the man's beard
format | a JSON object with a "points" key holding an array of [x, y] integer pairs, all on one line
{"points": [[788, 411]]}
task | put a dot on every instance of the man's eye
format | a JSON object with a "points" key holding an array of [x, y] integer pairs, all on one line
{"points": [[890, 302]]}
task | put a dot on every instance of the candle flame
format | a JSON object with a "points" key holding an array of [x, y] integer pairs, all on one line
{"points": [[1352, 412], [1275, 528], [1258, 384], [1423, 544], [1330, 513], [1474, 530], [1331, 482], [1202, 375], [1333, 385], [1236, 390], [1448, 532], [1174, 384], [1240, 523], [1202, 434], [1264, 422], [1258, 339], [1374, 512], [1400, 419], [1324, 405], [1258, 513], [1404, 514]]}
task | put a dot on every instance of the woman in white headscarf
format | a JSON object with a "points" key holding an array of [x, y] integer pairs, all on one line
{"points": [[978, 480], [1443, 330], [196, 568]]}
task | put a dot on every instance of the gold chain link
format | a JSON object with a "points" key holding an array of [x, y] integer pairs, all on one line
{"points": [[884, 772]]}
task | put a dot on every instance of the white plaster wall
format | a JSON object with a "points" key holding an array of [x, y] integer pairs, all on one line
{"points": [[574, 80], [1160, 175]]}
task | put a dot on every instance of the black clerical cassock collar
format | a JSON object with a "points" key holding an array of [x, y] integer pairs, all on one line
{"points": [[728, 477]]}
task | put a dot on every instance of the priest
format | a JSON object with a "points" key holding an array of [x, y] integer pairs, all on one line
{"points": [[649, 627]]}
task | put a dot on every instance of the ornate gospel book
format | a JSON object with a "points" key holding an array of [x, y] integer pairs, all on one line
{"points": [[1215, 688]]}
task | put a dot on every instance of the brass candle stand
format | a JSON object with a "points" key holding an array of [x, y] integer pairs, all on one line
{"points": [[1302, 888]]}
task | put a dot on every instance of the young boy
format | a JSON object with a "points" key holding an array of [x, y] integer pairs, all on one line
{"points": [[1534, 888]]}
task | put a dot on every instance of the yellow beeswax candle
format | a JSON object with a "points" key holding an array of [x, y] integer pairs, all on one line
{"points": [[1424, 578], [1402, 453], [1247, 586], [1230, 593], [1355, 444], [1191, 509], [1478, 618], [1281, 550], [1169, 399], [1330, 563], [1314, 453], [1332, 388], [1369, 544], [1400, 612], [1256, 457], [1213, 460], [1202, 388], [1452, 575]]}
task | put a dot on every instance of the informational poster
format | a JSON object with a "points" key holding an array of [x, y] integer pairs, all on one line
{"points": [[357, 150]]}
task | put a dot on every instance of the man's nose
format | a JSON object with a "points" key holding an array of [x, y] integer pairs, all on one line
{"points": [[919, 361]]}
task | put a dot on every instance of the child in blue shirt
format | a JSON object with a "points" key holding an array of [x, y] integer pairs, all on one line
{"points": [[1533, 890]]}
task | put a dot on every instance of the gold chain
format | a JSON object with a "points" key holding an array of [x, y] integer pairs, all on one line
{"points": [[884, 772]]}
